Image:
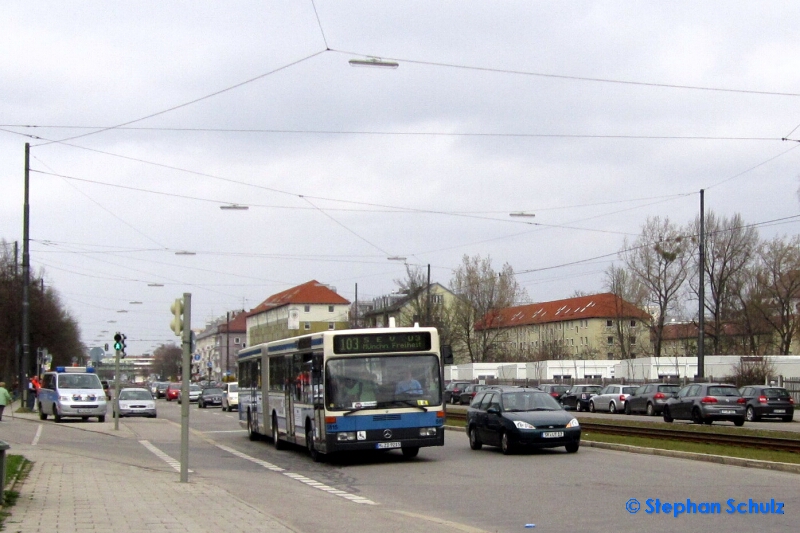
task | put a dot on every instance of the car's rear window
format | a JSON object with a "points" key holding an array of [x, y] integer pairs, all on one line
{"points": [[628, 390], [776, 393], [668, 388], [723, 391]]}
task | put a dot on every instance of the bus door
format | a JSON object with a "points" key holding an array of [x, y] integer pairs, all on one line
{"points": [[318, 399]]}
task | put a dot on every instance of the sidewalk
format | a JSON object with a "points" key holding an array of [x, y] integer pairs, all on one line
{"points": [[66, 493]]}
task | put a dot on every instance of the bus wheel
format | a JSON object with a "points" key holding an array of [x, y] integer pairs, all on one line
{"points": [[312, 450], [251, 428], [279, 444], [411, 452]]}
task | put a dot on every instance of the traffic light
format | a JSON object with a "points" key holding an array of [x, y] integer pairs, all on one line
{"points": [[118, 341], [177, 321], [123, 345]]}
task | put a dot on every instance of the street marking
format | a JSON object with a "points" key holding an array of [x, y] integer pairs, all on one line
{"points": [[163, 456], [297, 477], [36, 437]]}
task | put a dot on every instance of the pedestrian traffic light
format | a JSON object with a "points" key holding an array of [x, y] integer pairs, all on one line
{"points": [[123, 345], [177, 321], [118, 341]]}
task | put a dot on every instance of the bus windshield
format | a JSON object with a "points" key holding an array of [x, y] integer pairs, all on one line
{"points": [[382, 381]]}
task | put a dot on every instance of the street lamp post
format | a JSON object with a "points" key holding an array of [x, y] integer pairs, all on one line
{"points": [[26, 271]]}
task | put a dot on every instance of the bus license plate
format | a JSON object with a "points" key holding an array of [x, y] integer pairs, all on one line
{"points": [[552, 434], [728, 412], [386, 445]]}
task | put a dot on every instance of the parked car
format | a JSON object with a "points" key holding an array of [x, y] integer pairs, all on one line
{"points": [[194, 393], [230, 396], [520, 417], [556, 391], [173, 391], [763, 401], [705, 403], [452, 393], [209, 396], [135, 402], [611, 398], [650, 398], [578, 396], [469, 392]]}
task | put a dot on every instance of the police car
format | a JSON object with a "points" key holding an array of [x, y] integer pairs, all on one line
{"points": [[74, 392]]}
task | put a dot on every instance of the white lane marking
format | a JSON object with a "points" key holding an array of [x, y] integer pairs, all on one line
{"points": [[297, 477], [36, 437], [163, 456]]}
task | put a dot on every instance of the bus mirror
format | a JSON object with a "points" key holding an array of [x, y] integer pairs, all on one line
{"points": [[447, 354]]}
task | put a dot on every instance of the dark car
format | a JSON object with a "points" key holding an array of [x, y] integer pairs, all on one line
{"points": [[762, 401], [556, 391], [469, 392], [578, 396], [209, 396], [705, 403], [161, 389], [513, 418], [650, 398], [452, 393]]}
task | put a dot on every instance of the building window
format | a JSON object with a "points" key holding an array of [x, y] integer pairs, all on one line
{"points": [[236, 340], [633, 340], [307, 308], [437, 299], [307, 326], [331, 326], [633, 323], [610, 340], [609, 323], [330, 309]]}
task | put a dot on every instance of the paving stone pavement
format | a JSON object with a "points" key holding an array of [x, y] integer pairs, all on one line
{"points": [[72, 494]]}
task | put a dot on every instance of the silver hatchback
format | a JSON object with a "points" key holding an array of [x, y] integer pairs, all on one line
{"points": [[611, 398]]}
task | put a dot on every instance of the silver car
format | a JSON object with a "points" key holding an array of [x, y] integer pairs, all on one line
{"points": [[611, 398]]}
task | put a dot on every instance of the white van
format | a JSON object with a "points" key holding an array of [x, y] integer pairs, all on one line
{"points": [[72, 392], [230, 396]]}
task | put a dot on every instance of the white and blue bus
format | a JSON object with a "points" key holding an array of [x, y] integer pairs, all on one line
{"points": [[359, 389]]}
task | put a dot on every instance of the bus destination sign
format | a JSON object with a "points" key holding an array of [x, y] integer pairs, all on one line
{"points": [[381, 343]]}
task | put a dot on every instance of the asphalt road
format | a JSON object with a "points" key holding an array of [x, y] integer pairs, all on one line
{"points": [[444, 489]]}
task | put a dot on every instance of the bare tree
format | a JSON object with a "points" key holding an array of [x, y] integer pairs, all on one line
{"points": [[167, 360], [730, 248], [659, 258], [629, 289], [480, 292], [778, 277]]}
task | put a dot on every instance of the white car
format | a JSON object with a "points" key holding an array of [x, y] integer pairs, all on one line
{"points": [[194, 393], [230, 396], [135, 402], [611, 398]]}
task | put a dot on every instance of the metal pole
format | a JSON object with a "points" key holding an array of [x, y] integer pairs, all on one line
{"points": [[116, 389], [26, 270], [428, 299], [185, 376], [701, 293]]}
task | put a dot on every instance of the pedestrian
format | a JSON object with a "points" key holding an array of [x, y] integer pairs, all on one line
{"points": [[5, 398]]}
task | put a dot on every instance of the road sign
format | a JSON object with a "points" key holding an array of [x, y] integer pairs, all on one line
{"points": [[197, 357], [209, 365]]}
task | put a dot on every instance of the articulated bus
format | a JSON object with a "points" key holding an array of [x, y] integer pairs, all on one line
{"points": [[335, 391]]}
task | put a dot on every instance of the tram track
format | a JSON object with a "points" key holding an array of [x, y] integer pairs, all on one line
{"points": [[705, 436]]}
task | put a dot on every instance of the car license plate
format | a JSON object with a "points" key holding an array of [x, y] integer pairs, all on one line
{"points": [[84, 410], [727, 412], [779, 411], [552, 434], [386, 445]]}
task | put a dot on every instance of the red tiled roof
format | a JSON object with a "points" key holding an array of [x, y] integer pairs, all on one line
{"points": [[311, 292], [605, 305], [238, 324]]}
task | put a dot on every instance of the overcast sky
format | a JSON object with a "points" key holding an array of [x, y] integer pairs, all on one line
{"points": [[590, 115]]}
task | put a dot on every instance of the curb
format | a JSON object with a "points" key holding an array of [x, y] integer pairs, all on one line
{"points": [[719, 459]]}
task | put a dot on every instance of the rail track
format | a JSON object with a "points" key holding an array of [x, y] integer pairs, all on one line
{"points": [[685, 435]]}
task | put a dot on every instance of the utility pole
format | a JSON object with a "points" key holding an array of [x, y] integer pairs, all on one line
{"points": [[26, 276], [701, 320], [185, 377]]}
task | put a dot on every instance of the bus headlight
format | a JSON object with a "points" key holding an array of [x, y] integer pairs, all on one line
{"points": [[346, 436], [427, 432]]}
